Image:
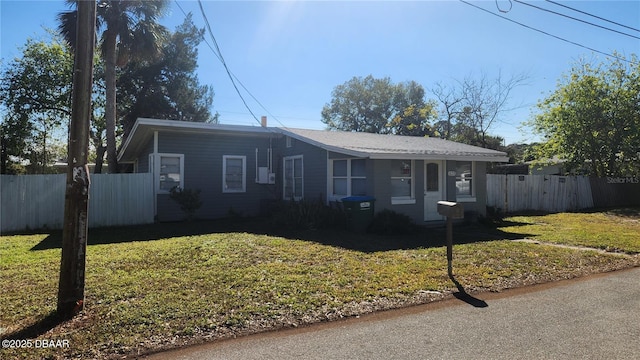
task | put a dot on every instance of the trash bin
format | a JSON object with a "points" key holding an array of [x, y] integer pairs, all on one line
{"points": [[359, 210]]}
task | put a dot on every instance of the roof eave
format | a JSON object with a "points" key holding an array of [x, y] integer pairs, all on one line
{"points": [[147, 125], [466, 157]]}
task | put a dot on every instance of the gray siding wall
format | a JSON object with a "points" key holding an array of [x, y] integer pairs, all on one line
{"points": [[203, 162], [381, 175], [315, 168], [143, 159], [479, 206]]}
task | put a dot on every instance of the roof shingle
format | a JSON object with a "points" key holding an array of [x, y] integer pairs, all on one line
{"points": [[388, 146]]}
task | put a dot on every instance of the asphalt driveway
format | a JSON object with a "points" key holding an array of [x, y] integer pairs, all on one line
{"points": [[593, 318]]}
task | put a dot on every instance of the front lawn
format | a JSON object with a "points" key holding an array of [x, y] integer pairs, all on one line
{"points": [[613, 230], [147, 289]]}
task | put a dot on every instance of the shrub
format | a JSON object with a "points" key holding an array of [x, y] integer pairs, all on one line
{"points": [[307, 215], [389, 222], [188, 199]]}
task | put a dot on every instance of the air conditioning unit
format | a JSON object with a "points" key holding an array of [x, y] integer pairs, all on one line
{"points": [[272, 178]]}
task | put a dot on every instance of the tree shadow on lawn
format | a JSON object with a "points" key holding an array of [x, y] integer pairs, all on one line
{"points": [[151, 232], [625, 212], [420, 237], [32, 331]]}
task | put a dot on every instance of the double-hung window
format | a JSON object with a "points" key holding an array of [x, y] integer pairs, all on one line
{"points": [[402, 191], [293, 178], [349, 178], [234, 171], [169, 171], [464, 180]]}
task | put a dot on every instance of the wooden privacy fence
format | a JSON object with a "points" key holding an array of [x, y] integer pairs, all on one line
{"points": [[616, 191], [37, 201], [513, 193]]}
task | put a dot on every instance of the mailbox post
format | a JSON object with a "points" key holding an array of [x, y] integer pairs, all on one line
{"points": [[451, 210]]}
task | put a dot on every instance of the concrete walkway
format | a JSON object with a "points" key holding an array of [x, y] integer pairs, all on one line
{"points": [[593, 318]]}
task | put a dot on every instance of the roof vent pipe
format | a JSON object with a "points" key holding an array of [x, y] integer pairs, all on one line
{"points": [[263, 121]]}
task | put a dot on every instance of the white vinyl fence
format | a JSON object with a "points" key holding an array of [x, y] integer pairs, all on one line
{"points": [[37, 201], [550, 193]]}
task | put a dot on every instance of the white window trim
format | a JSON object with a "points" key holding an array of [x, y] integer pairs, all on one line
{"points": [[405, 200], [284, 177], [469, 198], [224, 173], [348, 177], [156, 163]]}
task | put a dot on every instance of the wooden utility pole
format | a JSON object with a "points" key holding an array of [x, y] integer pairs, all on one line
{"points": [[76, 203]]}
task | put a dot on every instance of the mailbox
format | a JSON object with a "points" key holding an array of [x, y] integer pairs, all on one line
{"points": [[451, 209]]}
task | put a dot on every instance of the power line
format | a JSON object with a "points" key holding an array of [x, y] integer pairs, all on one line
{"points": [[258, 101], [224, 63], [576, 19], [548, 34], [231, 75], [205, 40], [595, 16]]}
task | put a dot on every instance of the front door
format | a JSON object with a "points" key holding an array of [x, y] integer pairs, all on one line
{"points": [[433, 189]]}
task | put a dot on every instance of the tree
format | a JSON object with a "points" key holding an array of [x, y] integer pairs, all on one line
{"points": [[521, 153], [414, 115], [593, 118], [98, 126], [465, 131], [35, 90], [130, 31], [487, 100], [14, 134], [469, 109], [167, 87], [379, 106], [450, 109]]}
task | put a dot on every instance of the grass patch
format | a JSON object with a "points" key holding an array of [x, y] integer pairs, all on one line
{"points": [[148, 289], [615, 230]]}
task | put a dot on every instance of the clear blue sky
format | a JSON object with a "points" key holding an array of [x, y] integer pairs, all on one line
{"points": [[290, 55]]}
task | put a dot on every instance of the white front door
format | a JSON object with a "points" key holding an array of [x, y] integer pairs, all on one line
{"points": [[433, 189]]}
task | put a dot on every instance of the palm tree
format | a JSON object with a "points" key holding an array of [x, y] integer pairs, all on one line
{"points": [[130, 30]]}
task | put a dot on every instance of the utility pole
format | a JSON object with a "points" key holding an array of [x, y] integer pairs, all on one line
{"points": [[76, 202]]}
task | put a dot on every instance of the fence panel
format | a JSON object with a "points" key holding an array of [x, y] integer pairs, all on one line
{"points": [[514, 193], [37, 201], [121, 199], [31, 201], [497, 191], [609, 192]]}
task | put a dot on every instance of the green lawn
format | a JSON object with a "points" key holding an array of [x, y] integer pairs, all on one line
{"points": [[615, 230], [147, 289]]}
